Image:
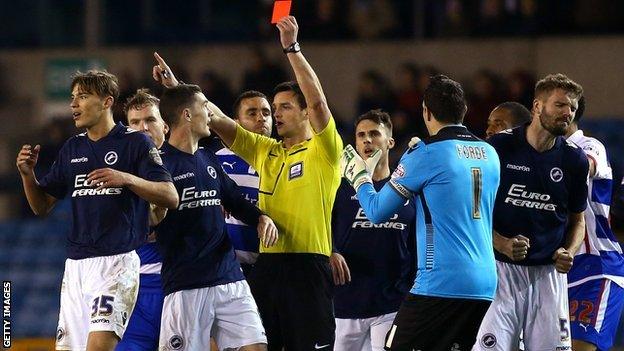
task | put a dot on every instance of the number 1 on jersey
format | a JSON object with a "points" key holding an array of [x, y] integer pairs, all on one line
{"points": [[476, 192]]}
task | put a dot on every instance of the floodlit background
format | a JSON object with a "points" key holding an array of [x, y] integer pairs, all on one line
{"points": [[367, 53]]}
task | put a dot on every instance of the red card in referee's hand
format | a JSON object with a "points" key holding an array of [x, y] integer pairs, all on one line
{"points": [[281, 9]]}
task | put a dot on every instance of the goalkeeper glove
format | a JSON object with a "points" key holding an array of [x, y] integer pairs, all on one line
{"points": [[355, 169]]}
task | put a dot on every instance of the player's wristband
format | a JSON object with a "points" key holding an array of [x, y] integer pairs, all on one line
{"points": [[292, 48]]}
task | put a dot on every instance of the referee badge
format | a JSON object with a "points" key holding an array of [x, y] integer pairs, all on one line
{"points": [[295, 171]]}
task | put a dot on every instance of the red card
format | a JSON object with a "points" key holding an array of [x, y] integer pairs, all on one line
{"points": [[281, 9]]}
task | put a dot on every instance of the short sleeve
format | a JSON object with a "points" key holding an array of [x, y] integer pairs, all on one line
{"points": [[150, 164], [55, 182], [329, 142], [251, 147], [597, 152], [578, 187]]}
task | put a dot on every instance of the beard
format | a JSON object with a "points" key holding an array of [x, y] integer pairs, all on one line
{"points": [[549, 122]]}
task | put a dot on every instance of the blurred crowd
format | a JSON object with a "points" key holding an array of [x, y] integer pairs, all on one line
{"points": [[53, 23]]}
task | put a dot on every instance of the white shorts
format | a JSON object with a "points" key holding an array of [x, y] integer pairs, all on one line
{"points": [[227, 312], [97, 294], [363, 334], [529, 299]]}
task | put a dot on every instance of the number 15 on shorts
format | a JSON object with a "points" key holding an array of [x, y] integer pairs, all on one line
{"points": [[102, 306]]}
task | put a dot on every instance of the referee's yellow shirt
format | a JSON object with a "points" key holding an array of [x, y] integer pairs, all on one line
{"points": [[297, 186]]}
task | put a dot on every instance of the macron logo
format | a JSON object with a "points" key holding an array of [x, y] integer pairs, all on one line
{"points": [[79, 160], [519, 168]]}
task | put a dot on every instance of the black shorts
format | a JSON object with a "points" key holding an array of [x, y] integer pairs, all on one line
{"points": [[294, 295], [435, 323]]}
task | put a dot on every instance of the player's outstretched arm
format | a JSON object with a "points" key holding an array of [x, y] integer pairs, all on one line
{"points": [[40, 202], [220, 123], [306, 78], [223, 125], [161, 194], [163, 74]]}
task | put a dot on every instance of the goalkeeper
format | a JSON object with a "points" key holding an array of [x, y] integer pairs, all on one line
{"points": [[452, 177]]}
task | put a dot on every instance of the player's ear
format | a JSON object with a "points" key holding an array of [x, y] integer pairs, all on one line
{"points": [[165, 128], [390, 143], [537, 106], [187, 114], [108, 102]]}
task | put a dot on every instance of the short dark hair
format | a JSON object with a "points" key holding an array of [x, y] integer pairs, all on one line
{"points": [[580, 110], [294, 87], [142, 98], [445, 99], [519, 113], [558, 81], [176, 99], [100, 83], [378, 116], [245, 95]]}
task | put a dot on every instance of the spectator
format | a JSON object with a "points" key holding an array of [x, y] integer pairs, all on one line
{"points": [[374, 92], [263, 75]]}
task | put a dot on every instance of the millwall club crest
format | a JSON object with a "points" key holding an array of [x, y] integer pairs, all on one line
{"points": [[176, 342], [488, 341], [556, 174], [212, 172], [60, 334], [111, 158]]}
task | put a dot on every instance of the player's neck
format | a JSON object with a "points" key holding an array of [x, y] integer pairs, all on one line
{"points": [[301, 136], [573, 128], [184, 141], [382, 171], [102, 128], [435, 126], [539, 138]]}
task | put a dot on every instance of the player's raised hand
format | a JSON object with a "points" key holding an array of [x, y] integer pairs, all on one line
{"points": [[215, 111], [353, 168], [27, 159], [563, 260], [288, 29], [162, 73], [267, 231], [109, 178], [517, 247], [340, 269]]}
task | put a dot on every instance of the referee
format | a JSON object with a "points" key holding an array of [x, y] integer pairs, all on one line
{"points": [[292, 282]]}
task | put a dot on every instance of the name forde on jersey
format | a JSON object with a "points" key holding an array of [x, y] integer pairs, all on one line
{"points": [[84, 187]]}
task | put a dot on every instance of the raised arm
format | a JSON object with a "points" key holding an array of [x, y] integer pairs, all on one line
{"points": [[220, 123], [306, 78], [223, 125], [40, 202]]}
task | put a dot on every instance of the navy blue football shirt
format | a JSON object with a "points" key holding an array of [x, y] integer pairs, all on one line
{"points": [[108, 221], [381, 257], [196, 250], [537, 192]]}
